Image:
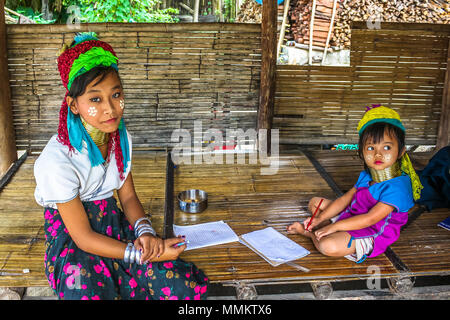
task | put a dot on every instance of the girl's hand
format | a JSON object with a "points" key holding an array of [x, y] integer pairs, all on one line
{"points": [[170, 252], [152, 247], [315, 222], [322, 232]]}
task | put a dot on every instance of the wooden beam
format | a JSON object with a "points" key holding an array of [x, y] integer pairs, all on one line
{"points": [[268, 64], [444, 127], [8, 151]]}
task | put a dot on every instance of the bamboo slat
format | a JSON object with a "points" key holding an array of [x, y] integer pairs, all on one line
{"points": [[424, 246]]}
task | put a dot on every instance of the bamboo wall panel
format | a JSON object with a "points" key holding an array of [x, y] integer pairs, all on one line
{"points": [[401, 66], [344, 166], [173, 74]]}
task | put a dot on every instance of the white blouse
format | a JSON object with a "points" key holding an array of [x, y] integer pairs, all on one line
{"points": [[62, 175]]}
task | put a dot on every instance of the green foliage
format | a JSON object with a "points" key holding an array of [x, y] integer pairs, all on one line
{"points": [[97, 11], [125, 11], [35, 16], [228, 7]]}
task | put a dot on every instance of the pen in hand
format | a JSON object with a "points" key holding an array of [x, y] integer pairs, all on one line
{"points": [[179, 244], [317, 209]]}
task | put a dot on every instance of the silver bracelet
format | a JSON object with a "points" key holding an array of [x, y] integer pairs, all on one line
{"points": [[133, 255], [145, 229], [138, 257], [138, 227], [140, 220], [126, 256]]}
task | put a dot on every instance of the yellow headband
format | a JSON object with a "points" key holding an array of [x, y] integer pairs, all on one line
{"points": [[379, 114]]}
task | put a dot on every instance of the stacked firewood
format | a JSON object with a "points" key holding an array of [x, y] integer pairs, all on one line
{"points": [[300, 14], [376, 11], [371, 11], [250, 12]]}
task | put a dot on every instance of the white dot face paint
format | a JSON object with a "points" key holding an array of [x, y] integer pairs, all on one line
{"points": [[92, 111], [122, 104], [387, 157], [369, 157]]}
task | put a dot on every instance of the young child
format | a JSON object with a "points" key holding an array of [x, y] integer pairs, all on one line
{"points": [[367, 219], [94, 250]]}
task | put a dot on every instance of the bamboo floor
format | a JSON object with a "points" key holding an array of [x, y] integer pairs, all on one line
{"points": [[238, 195], [244, 198], [423, 247]]}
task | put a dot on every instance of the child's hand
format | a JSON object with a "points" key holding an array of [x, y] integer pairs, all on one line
{"points": [[316, 221], [322, 232], [151, 246]]}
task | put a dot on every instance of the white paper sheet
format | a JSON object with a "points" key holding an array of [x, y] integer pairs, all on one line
{"points": [[206, 234], [274, 247]]}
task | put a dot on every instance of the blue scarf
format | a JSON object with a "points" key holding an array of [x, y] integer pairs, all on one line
{"points": [[78, 134]]}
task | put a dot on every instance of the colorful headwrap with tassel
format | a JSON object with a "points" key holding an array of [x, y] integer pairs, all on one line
{"points": [[379, 113], [86, 53]]}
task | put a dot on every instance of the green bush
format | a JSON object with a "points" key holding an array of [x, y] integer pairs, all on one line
{"points": [[125, 11]]}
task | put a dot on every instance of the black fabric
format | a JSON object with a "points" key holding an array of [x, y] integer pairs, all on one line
{"points": [[435, 178]]}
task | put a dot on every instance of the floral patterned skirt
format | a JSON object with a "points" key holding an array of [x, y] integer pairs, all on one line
{"points": [[77, 275]]}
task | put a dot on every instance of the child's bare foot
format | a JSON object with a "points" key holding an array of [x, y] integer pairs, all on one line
{"points": [[297, 228]]}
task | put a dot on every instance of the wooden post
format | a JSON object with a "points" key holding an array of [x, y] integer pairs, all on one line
{"points": [[8, 151], [196, 8], [268, 66], [443, 130]]}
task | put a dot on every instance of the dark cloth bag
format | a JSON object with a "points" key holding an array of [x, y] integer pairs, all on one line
{"points": [[435, 178]]}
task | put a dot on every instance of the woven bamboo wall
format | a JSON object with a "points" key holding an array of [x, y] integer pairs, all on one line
{"points": [[173, 74], [401, 66]]}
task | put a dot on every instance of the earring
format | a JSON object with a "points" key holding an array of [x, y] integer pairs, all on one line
{"points": [[92, 111], [122, 104]]}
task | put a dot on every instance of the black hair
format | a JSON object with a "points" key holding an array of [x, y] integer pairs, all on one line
{"points": [[81, 82], [375, 133]]}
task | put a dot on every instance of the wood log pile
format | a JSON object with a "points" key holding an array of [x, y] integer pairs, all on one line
{"points": [[250, 12], [375, 11], [300, 14], [372, 11]]}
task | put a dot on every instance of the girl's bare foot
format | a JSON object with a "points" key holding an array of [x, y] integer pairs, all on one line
{"points": [[297, 228]]}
